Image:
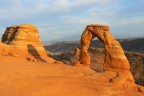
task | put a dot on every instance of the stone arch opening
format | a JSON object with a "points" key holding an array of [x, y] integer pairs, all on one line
{"points": [[96, 52], [96, 43]]}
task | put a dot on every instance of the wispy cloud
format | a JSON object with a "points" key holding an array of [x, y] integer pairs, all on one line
{"points": [[58, 18]]}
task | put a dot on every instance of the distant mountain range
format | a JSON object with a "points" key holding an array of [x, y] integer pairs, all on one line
{"points": [[130, 44], [66, 38]]}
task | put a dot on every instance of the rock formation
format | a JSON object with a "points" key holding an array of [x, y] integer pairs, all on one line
{"points": [[26, 40], [21, 35], [115, 59], [114, 54]]}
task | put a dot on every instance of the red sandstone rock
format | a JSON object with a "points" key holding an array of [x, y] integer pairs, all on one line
{"points": [[114, 54], [26, 40], [140, 88], [115, 59], [25, 33]]}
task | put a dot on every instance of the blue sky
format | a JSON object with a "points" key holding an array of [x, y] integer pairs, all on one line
{"points": [[67, 18]]}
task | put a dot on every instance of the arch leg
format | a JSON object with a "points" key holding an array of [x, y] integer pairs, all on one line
{"points": [[86, 39]]}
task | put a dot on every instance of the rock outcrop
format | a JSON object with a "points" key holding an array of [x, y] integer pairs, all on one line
{"points": [[114, 54], [26, 40], [115, 59], [6, 50], [22, 35]]}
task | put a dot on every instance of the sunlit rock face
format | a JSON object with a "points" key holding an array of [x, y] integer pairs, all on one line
{"points": [[114, 54], [115, 59], [21, 35], [26, 40]]}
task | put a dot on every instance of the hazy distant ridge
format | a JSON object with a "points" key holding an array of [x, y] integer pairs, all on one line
{"points": [[135, 45]]}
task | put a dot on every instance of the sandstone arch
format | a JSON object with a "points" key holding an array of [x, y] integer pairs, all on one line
{"points": [[115, 59], [114, 54]]}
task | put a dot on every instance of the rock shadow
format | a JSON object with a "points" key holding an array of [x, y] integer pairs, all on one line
{"points": [[33, 51], [9, 35]]}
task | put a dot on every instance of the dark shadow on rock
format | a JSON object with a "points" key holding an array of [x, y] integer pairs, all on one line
{"points": [[9, 36], [33, 51]]}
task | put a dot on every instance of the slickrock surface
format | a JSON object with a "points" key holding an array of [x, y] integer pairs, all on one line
{"points": [[19, 77], [26, 40]]}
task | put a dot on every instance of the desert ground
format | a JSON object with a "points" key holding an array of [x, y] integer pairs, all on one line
{"points": [[27, 69], [19, 77]]}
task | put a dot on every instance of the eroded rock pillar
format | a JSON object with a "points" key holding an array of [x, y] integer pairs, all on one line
{"points": [[86, 39]]}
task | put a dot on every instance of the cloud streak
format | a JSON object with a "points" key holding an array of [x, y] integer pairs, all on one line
{"points": [[60, 18]]}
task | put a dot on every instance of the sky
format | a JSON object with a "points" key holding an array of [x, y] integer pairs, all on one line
{"points": [[66, 19]]}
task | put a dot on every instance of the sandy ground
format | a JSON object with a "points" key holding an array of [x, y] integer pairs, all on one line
{"points": [[19, 77]]}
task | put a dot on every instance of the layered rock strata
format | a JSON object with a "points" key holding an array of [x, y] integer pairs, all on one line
{"points": [[26, 40]]}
